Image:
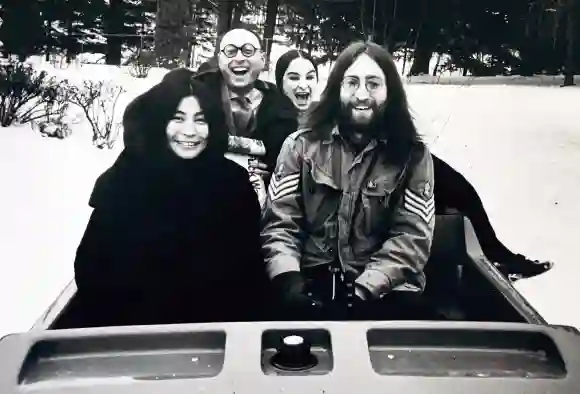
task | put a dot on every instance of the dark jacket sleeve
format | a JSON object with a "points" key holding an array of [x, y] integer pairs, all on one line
{"points": [[282, 220]]}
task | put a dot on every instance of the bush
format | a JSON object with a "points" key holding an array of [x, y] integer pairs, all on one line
{"points": [[50, 119], [98, 100], [53, 129], [27, 95], [141, 63]]}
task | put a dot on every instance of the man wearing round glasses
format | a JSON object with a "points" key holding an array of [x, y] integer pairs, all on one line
{"points": [[240, 59], [255, 108]]}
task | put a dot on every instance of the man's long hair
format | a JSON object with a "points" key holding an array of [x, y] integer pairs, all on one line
{"points": [[396, 123]]}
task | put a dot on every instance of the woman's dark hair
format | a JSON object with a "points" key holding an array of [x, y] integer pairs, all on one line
{"points": [[284, 62], [146, 118], [396, 123]]}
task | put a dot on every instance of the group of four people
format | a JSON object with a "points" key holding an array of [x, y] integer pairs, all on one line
{"points": [[335, 220]]}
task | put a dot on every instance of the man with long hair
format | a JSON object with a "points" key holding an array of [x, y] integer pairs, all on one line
{"points": [[349, 218]]}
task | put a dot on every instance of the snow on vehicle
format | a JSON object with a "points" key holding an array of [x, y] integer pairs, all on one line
{"points": [[493, 341]]}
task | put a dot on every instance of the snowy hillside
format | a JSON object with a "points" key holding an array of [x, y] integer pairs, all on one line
{"points": [[519, 145]]}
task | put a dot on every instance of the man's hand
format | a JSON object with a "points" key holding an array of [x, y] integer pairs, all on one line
{"points": [[260, 188], [291, 290], [259, 168]]}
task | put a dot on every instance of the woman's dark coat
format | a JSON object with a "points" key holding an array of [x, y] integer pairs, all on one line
{"points": [[170, 240]]}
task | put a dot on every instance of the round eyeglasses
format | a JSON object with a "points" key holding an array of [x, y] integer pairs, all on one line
{"points": [[351, 85], [230, 50]]}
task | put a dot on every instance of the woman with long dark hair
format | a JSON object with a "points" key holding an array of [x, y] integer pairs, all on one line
{"points": [[296, 76], [174, 234]]}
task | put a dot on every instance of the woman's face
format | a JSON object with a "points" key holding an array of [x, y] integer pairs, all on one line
{"points": [[187, 131], [299, 82]]}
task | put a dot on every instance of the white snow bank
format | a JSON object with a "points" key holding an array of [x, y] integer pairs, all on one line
{"points": [[43, 206]]}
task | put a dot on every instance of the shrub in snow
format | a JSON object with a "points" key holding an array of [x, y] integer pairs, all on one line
{"points": [[56, 129], [49, 120], [25, 94], [141, 63], [98, 100]]}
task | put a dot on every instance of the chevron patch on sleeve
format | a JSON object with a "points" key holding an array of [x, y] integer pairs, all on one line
{"points": [[281, 186], [417, 204]]}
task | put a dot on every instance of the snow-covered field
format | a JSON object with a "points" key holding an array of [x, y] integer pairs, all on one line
{"points": [[519, 145]]}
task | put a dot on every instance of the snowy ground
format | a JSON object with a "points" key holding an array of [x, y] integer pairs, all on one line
{"points": [[519, 145]]}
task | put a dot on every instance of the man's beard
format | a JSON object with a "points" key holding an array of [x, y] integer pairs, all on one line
{"points": [[349, 128]]}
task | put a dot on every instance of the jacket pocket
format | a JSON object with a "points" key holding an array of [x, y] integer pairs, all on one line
{"points": [[376, 201], [321, 197]]}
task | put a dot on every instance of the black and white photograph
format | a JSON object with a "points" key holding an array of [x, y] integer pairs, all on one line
{"points": [[386, 186]]}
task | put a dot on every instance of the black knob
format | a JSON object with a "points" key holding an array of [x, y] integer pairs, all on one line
{"points": [[294, 354]]}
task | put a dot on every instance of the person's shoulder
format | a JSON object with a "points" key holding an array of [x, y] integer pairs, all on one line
{"points": [[303, 133], [122, 181], [299, 139], [266, 86], [177, 74], [212, 75], [275, 98]]}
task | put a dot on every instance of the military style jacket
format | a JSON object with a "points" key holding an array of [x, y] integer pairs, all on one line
{"points": [[328, 205]]}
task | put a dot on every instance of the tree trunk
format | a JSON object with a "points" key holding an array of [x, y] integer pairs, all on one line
{"points": [[70, 40], [225, 9], [570, 63], [437, 65], [425, 43], [310, 46], [424, 49], [529, 50], [114, 22], [391, 29], [238, 11], [271, 13], [405, 51], [170, 35]]}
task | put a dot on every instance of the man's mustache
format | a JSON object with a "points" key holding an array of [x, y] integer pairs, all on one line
{"points": [[363, 104]]}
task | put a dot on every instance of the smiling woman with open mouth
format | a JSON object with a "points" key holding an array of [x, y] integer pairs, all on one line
{"points": [[297, 77]]}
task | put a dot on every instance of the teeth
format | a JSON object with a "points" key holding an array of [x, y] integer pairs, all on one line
{"points": [[239, 69], [188, 144]]}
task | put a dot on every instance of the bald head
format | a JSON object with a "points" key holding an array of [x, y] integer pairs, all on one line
{"points": [[240, 59], [239, 37]]}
